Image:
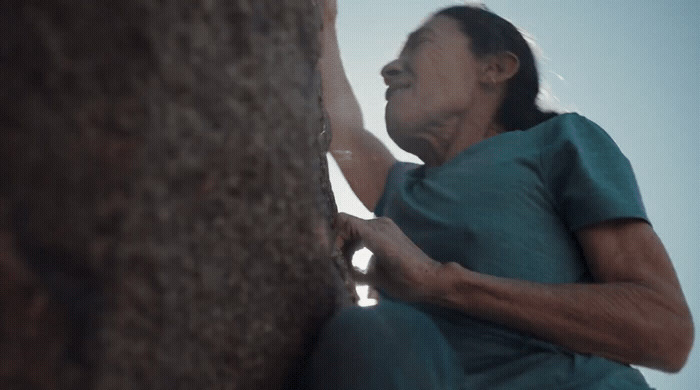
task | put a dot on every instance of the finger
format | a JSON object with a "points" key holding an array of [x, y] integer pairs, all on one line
{"points": [[372, 264], [352, 227], [341, 226], [346, 227], [345, 220], [349, 248]]}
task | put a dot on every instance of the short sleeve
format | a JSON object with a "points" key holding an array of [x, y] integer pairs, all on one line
{"points": [[397, 174], [590, 180]]}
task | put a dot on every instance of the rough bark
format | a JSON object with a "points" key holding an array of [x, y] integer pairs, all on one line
{"points": [[165, 212]]}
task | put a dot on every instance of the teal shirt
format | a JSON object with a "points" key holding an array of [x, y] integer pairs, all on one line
{"points": [[509, 206]]}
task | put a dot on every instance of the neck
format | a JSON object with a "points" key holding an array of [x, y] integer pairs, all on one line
{"points": [[461, 133]]}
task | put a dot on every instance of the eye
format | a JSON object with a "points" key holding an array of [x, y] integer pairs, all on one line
{"points": [[421, 41], [414, 43]]}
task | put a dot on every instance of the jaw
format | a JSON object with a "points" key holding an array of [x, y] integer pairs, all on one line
{"points": [[421, 146], [431, 142], [429, 135]]}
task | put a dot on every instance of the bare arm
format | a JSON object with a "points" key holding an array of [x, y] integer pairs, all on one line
{"points": [[363, 159], [635, 312]]}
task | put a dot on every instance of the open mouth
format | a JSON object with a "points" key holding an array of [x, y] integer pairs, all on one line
{"points": [[391, 90]]}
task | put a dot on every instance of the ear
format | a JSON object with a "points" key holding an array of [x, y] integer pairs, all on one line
{"points": [[499, 68]]}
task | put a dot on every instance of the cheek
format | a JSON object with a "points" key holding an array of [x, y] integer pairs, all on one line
{"points": [[441, 88], [446, 87], [458, 84]]}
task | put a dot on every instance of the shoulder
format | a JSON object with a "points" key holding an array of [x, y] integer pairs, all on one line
{"points": [[587, 173], [569, 125], [572, 133], [573, 124]]}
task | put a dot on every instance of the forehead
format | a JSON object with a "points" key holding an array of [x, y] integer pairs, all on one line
{"points": [[440, 25], [437, 27]]}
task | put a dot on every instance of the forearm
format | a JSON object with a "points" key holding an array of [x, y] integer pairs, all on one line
{"points": [[622, 321], [363, 159], [344, 113], [635, 313]]}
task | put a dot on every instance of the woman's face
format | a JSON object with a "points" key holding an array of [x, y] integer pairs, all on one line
{"points": [[434, 80]]}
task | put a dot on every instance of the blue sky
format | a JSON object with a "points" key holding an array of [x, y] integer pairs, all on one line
{"points": [[630, 66]]}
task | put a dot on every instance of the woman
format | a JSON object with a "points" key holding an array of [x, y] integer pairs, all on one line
{"points": [[518, 256]]}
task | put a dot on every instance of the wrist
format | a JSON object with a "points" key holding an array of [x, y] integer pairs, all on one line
{"points": [[449, 286], [439, 282]]}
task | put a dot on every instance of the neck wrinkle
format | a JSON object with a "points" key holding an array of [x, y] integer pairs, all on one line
{"points": [[468, 133]]}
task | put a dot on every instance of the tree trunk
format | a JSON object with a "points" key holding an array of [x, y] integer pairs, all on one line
{"points": [[165, 211]]}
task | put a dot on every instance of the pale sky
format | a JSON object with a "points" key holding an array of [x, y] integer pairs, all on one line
{"points": [[632, 66]]}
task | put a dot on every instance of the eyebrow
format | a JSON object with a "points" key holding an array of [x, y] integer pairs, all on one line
{"points": [[414, 36]]}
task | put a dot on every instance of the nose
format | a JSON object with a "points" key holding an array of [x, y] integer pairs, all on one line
{"points": [[391, 71]]}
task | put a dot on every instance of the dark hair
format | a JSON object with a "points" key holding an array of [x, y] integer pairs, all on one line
{"points": [[491, 34]]}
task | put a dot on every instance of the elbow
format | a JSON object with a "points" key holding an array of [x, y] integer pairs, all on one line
{"points": [[681, 349], [678, 341]]}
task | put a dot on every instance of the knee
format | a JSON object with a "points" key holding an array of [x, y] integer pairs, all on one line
{"points": [[349, 348]]}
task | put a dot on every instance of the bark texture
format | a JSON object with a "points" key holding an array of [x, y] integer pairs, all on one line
{"points": [[165, 212]]}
